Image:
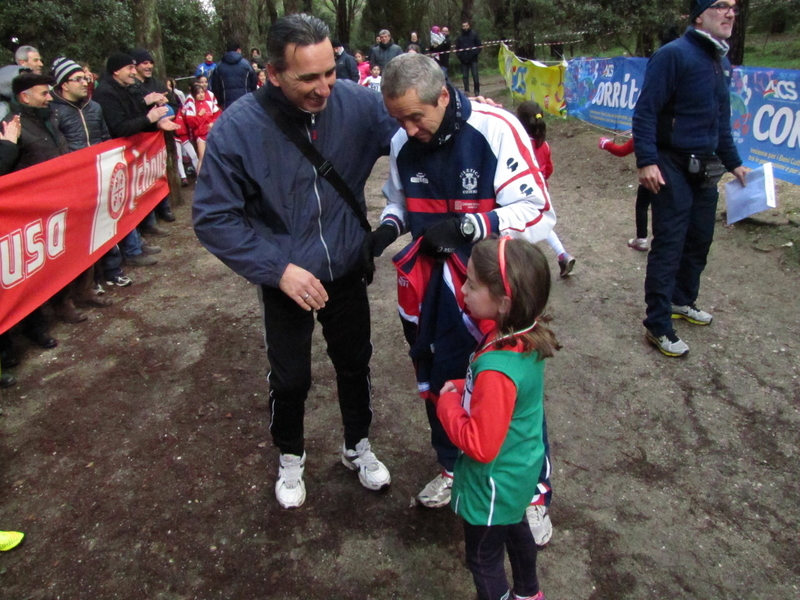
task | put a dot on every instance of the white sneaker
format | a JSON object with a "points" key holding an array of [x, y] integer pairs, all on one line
{"points": [[692, 314], [639, 244], [539, 521], [437, 493], [669, 344], [290, 489], [372, 473]]}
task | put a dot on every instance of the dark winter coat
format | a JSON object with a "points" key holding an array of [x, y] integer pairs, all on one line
{"points": [[468, 39], [382, 53], [233, 78], [39, 140], [123, 107], [81, 123], [684, 105], [444, 58], [260, 204], [346, 67], [8, 156]]}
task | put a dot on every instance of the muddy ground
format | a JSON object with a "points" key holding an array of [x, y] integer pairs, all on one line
{"points": [[136, 457]]}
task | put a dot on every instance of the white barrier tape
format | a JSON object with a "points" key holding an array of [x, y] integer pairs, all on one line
{"points": [[492, 43]]}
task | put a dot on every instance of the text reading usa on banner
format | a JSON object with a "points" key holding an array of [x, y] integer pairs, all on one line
{"points": [[765, 117], [59, 217]]}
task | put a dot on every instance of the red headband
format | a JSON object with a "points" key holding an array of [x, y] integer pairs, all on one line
{"points": [[501, 258]]}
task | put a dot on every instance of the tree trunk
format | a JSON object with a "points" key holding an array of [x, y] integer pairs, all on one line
{"points": [[234, 16], [645, 44], [736, 42], [467, 9], [343, 21], [147, 33]]}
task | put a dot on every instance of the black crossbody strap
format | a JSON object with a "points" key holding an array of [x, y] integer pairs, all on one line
{"points": [[322, 166]]}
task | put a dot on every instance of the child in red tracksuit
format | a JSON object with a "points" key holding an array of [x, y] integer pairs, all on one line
{"points": [[531, 116], [495, 416], [184, 146], [200, 116], [642, 195]]}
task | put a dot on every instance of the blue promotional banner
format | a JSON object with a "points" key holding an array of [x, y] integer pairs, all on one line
{"points": [[765, 117], [765, 106], [604, 91]]}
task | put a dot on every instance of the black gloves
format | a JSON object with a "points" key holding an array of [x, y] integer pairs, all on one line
{"points": [[374, 244], [444, 238]]}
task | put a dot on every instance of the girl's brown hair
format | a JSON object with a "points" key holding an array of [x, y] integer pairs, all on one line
{"points": [[531, 116], [528, 276], [196, 89]]}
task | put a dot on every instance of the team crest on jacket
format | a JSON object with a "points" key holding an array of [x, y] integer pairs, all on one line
{"points": [[469, 181]]}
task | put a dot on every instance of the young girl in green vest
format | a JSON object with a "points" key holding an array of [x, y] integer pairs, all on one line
{"points": [[494, 416]]}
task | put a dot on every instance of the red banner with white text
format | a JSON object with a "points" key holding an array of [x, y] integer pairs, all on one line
{"points": [[59, 217]]}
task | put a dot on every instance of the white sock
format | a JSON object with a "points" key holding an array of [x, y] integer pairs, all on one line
{"points": [[555, 243]]}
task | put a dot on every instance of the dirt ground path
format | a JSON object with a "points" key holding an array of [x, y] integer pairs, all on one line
{"points": [[136, 458]]}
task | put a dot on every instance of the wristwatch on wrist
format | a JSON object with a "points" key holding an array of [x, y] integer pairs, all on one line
{"points": [[467, 227]]}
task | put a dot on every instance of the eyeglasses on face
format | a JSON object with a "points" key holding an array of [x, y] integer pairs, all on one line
{"points": [[724, 8]]}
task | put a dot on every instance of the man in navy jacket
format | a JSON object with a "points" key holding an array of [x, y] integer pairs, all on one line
{"points": [[233, 78], [263, 209], [684, 144]]}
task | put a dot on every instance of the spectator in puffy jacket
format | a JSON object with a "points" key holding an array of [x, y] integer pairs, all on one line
{"points": [[80, 121], [233, 78]]}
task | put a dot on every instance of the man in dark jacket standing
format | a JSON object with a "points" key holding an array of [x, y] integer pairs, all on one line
{"points": [[346, 67], [126, 113], [385, 51], [79, 118], [233, 78], [80, 121], [154, 91], [39, 141], [468, 46], [266, 212], [684, 144]]}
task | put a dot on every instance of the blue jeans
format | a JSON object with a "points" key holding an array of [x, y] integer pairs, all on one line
{"points": [[684, 211], [131, 244], [111, 264]]}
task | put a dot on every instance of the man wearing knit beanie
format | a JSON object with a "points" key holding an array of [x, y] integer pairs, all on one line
{"points": [[697, 8], [80, 121], [155, 93], [63, 69], [126, 115], [681, 153], [118, 61]]}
